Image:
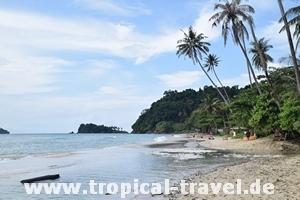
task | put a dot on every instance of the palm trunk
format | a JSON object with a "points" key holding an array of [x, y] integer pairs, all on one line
{"points": [[228, 100], [265, 68], [212, 82], [292, 49], [250, 66]]}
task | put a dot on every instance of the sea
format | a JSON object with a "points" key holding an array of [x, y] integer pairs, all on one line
{"points": [[106, 160]]}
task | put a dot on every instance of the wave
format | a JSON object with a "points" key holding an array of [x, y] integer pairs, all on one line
{"points": [[183, 153], [160, 139]]}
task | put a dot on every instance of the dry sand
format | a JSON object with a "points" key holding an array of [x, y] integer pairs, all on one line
{"points": [[282, 172]]}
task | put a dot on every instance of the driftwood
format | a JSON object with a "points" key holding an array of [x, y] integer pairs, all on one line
{"points": [[40, 178]]}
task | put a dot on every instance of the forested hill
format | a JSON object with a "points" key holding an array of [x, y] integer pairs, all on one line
{"points": [[170, 113]]}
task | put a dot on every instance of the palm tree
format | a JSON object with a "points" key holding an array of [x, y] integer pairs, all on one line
{"points": [[288, 60], [290, 40], [294, 14], [262, 64], [297, 35], [234, 14], [192, 45], [212, 61]]}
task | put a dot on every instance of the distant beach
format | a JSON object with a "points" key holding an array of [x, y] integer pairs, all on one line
{"points": [[282, 171]]}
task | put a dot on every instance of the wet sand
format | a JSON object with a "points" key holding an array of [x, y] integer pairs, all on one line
{"points": [[282, 172]]}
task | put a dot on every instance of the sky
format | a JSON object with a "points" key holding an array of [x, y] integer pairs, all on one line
{"points": [[67, 62]]}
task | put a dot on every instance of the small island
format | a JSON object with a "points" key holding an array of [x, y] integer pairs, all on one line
{"points": [[93, 128], [3, 131]]}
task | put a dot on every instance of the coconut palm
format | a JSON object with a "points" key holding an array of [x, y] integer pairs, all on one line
{"points": [[290, 40], [293, 14], [231, 16], [192, 45], [258, 62], [288, 60], [212, 61], [297, 35]]}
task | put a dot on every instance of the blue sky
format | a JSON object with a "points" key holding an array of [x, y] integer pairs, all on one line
{"points": [[67, 62]]}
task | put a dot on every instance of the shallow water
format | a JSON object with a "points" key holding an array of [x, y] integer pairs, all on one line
{"points": [[104, 158]]}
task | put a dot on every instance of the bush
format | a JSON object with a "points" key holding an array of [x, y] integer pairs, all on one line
{"points": [[239, 136], [262, 133]]}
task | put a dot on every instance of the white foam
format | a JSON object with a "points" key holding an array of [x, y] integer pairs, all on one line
{"points": [[179, 156], [2, 160], [183, 153], [188, 150], [178, 136], [160, 139]]}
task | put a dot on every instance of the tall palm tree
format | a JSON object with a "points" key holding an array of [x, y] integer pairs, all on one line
{"points": [[212, 61], [231, 16], [258, 62], [297, 35], [192, 45], [294, 14], [291, 45]]}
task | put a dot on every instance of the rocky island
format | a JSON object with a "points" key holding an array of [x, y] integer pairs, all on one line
{"points": [[3, 131], [93, 128]]}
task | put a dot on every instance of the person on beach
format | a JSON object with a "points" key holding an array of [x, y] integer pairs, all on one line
{"points": [[248, 134]]}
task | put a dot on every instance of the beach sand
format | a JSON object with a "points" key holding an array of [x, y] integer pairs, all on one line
{"points": [[281, 171]]}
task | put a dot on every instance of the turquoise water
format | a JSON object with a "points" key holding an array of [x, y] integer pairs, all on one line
{"points": [[104, 158]]}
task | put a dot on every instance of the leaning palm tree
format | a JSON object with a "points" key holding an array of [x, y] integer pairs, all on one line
{"points": [[231, 16], [192, 45], [290, 40], [212, 61], [288, 60], [297, 35], [257, 61]]}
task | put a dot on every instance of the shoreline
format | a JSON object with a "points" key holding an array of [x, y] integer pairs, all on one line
{"points": [[281, 171]]}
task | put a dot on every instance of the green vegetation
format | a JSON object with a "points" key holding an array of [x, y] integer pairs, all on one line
{"points": [[204, 110], [179, 111], [93, 128], [3, 131], [271, 103]]}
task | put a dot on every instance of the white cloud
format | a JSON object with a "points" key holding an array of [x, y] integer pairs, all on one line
{"points": [[100, 67], [39, 32], [25, 74], [205, 26], [181, 79], [277, 39], [242, 80], [112, 7]]}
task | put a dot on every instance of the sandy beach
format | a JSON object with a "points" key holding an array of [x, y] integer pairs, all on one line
{"points": [[280, 171]]}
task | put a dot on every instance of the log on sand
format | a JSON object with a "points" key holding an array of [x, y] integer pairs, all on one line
{"points": [[40, 178]]}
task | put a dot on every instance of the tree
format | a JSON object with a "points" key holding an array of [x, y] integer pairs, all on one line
{"points": [[241, 106], [297, 35], [290, 117], [192, 45], [210, 106], [265, 113], [291, 45], [261, 64], [234, 14], [212, 61]]}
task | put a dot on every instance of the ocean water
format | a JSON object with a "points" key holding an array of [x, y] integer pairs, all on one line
{"points": [[103, 158]]}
